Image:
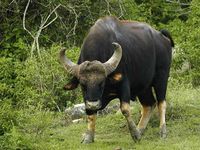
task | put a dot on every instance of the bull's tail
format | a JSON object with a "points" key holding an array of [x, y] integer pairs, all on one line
{"points": [[167, 34]]}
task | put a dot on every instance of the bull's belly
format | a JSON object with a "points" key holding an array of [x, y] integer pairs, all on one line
{"points": [[137, 91], [139, 87]]}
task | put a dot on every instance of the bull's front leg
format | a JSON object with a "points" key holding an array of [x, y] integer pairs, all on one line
{"points": [[88, 137], [125, 109]]}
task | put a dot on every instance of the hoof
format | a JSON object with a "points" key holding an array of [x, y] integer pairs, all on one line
{"points": [[88, 137], [136, 135], [141, 130], [163, 131]]}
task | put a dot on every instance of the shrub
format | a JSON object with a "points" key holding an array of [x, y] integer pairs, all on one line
{"points": [[8, 116], [40, 82]]}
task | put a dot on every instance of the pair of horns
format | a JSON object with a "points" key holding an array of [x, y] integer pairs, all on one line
{"points": [[109, 65]]}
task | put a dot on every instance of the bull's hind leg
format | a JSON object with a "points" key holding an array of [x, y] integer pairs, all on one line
{"points": [[160, 86], [148, 103], [162, 111], [125, 109], [145, 117]]}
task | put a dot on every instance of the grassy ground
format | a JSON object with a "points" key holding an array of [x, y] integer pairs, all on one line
{"points": [[183, 124]]}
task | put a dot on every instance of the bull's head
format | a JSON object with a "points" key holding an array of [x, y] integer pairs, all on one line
{"points": [[92, 75]]}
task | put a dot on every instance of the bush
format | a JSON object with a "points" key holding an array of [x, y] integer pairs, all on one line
{"points": [[7, 77], [29, 90], [186, 54], [31, 126], [40, 82], [8, 117]]}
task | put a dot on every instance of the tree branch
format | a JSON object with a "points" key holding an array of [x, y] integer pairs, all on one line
{"points": [[73, 29], [51, 21], [53, 11], [24, 19], [76, 20], [42, 26]]}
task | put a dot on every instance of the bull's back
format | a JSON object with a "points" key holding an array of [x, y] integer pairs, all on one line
{"points": [[139, 54], [149, 53]]}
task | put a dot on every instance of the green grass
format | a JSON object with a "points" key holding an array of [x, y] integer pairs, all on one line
{"points": [[183, 125]]}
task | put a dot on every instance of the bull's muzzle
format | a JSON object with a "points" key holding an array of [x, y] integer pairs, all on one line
{"points": [[93, 105]]}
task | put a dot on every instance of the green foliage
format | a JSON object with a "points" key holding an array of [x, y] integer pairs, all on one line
{"points": [[31, 125], [74, 20], [7, 77], [186, 53], [155, 12], [12, 35], [40, 82], [192, 45], [8, 117], [37, 82], [13, 45]]}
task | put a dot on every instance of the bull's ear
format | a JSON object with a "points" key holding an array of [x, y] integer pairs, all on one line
{"points": [[73, 84]]}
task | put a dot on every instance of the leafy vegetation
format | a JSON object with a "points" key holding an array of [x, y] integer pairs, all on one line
{"points": [[31, 96]]}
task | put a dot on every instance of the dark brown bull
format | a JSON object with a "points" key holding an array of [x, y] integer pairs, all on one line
{"points": [[122, 59]]}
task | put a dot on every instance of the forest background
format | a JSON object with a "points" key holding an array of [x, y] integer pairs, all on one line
{"points": [[33, 31]]}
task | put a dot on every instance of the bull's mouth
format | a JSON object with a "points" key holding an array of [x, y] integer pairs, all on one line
{"points": [[93, 105]]}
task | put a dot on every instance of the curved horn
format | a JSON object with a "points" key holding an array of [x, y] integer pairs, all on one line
{"points": [[67, 63], [113, 62]]}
